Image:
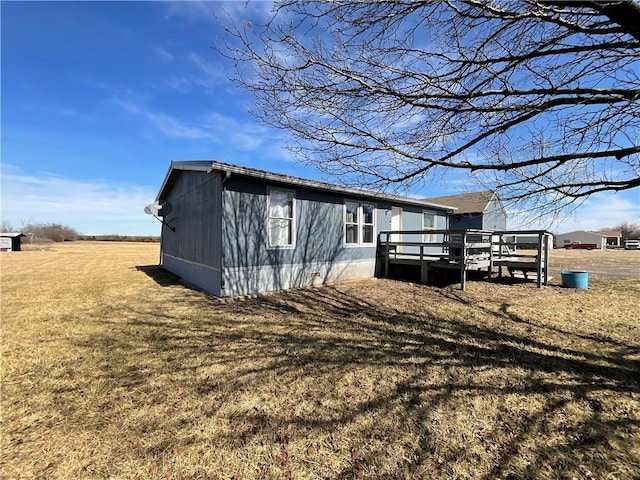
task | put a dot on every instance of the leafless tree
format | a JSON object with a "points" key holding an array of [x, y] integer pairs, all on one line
{"points": [[537, 99], [6, 227], [53, 232], [629, 230]]}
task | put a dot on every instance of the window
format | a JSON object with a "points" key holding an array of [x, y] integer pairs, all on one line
{"points": [[359, 223], [428, 223], [351, 222], [281, 215], [367, 223]]}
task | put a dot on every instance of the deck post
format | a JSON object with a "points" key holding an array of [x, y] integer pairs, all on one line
{"points": [[424, 267], [546, 258], [490, 256], [500, 240], [463, 261], [386, 257], [539, 260]]}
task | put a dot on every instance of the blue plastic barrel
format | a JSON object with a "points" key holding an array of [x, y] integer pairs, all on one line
{"points": [[579, 280]]}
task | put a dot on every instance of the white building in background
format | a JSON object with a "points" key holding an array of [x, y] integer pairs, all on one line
{"points": [[602, 239]]}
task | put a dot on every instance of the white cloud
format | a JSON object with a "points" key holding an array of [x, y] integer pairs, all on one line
{"points": [[216, 128], [91, 207], [190, 10], [164, 54], [604, 210], [172, 127], [210, 75], [204, 11], [167, 124], [599, 211], [209, 68]]}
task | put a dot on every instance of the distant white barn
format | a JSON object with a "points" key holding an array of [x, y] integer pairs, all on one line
{"points": [[601, 239]]}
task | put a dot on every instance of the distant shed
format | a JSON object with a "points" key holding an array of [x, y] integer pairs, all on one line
{"points": [[10, 241]]}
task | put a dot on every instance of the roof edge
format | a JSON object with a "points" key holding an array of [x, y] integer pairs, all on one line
{"points": [[210, 166]]}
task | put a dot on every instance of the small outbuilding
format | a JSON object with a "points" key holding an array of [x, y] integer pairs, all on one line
{"points": [[479, 210], [10, 241]]}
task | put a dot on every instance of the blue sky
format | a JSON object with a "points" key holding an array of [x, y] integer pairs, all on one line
{"points": [[99, 97]]}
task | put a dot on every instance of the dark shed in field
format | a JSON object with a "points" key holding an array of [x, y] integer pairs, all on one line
{"points": [[481, 210], [10, 241], [232, 230]]}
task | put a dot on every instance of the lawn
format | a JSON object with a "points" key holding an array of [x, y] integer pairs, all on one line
{"points": [[113, 369]]}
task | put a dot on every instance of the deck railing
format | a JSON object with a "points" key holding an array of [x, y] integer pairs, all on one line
{"points": [[467, 250]]}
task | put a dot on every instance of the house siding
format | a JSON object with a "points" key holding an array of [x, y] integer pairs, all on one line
{"points": [[194, 250], [319, 255], [412, 220], [466, 221], [220, 242], [495, 217]]}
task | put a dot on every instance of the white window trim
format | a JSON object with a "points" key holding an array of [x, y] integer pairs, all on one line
{"points": [[360, 224], [293, 219], [429, 237]]}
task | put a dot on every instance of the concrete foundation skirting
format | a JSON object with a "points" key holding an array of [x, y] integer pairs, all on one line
{"points": [[255, 279], [206, 278]]}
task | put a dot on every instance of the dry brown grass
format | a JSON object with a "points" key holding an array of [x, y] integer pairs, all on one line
{"points": [[113, 370]]}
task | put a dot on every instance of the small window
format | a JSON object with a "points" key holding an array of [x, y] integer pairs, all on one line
{"points": [[281, 216], [367, 222], [359, 223], [351, 222], [428, 223]]}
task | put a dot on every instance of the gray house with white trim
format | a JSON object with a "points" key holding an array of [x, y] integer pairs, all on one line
{"points": [[234, 230]]}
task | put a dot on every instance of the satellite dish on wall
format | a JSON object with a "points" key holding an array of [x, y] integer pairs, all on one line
{"points": [[158, 209], [150, 210]]}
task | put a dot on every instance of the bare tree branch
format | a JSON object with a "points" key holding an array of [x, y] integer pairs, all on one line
{"points": [[538, 99]]}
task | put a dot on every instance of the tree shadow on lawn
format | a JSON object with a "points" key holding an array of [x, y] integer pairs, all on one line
{"points": [[374, 390]]}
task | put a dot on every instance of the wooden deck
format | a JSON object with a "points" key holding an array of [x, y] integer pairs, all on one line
{"points": [[466, 250]]}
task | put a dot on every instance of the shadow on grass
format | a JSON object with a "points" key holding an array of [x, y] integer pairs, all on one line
{"points": [[338, 368], [162, 277]]}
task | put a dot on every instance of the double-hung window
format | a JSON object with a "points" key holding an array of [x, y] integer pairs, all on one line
{"points": [[359, 223], [351, 220], [368, 222], [281, 218], [428, 223]]}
